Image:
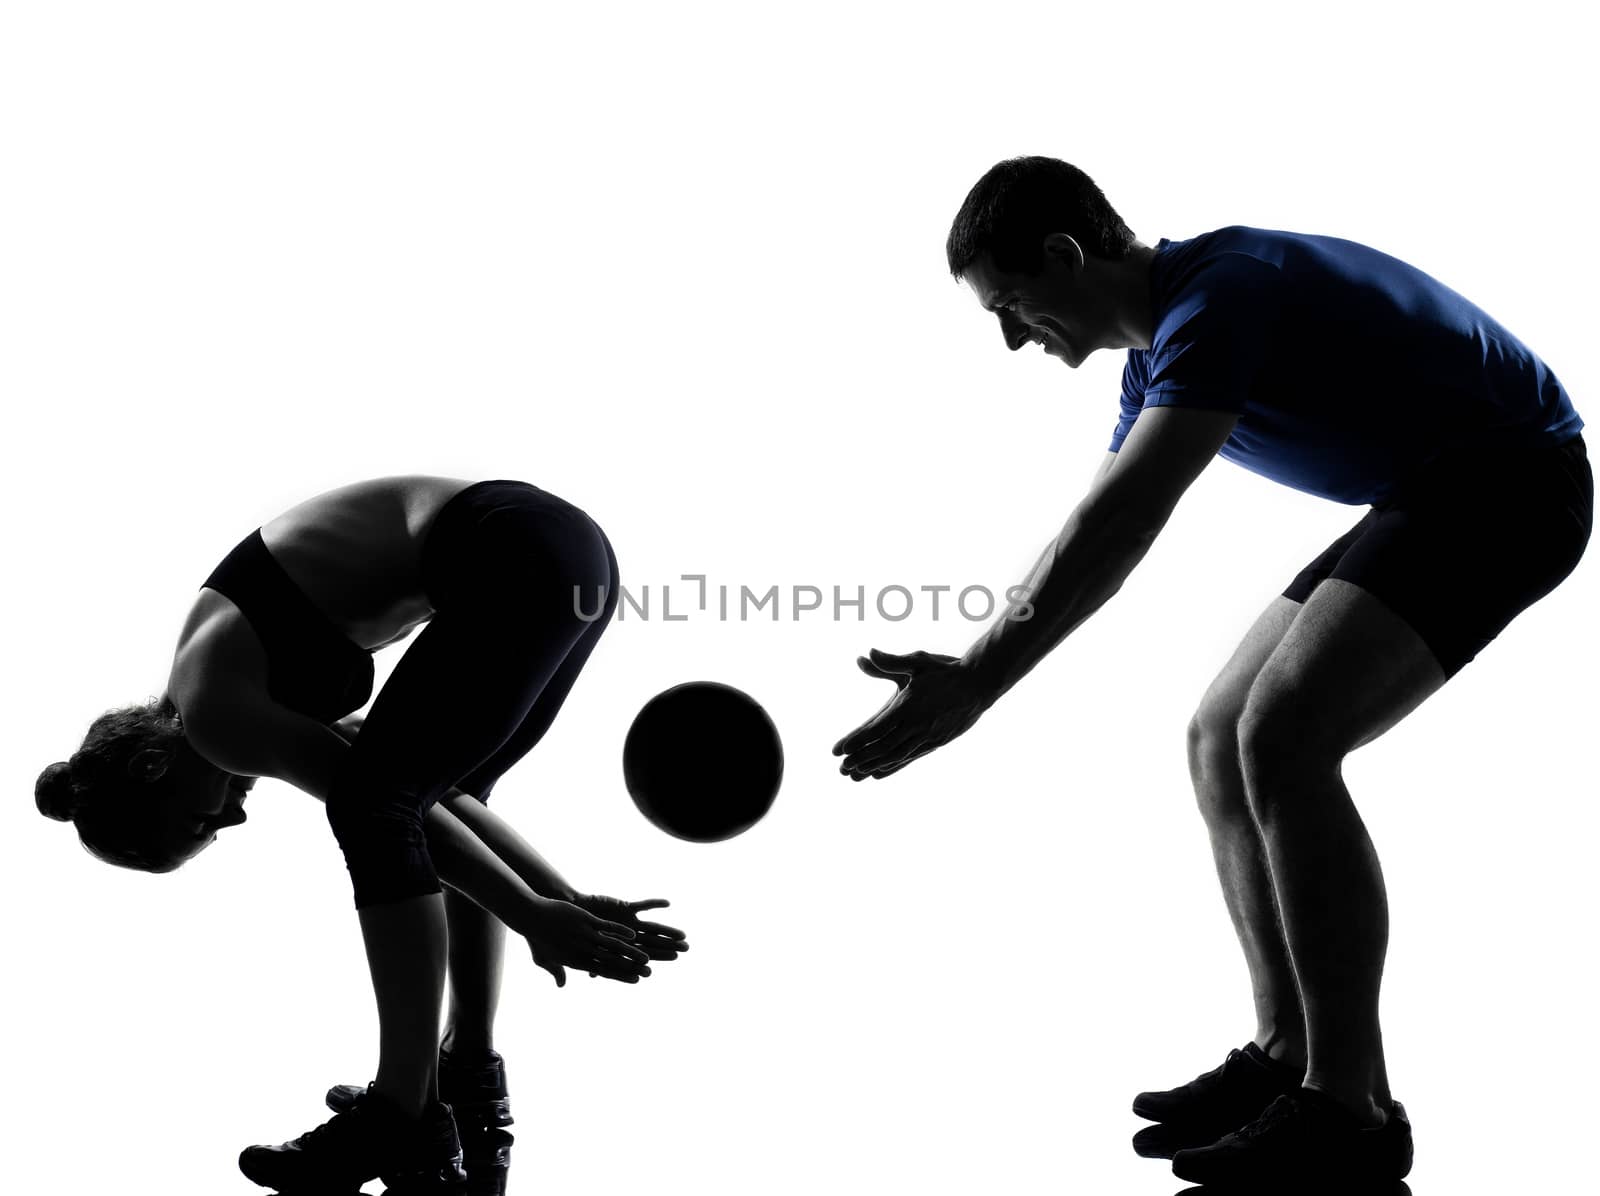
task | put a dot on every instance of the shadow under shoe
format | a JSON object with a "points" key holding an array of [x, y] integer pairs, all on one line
{"points": [[372, 1139], [1304, 1142], [1163, 1140], [1331, 1188]]}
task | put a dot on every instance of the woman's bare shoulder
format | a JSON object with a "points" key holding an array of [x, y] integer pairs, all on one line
{"points": [[219, 658], [219, 685], [398, 491]]}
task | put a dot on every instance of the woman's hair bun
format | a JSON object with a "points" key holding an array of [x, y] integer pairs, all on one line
{"points": [[55, 793]]}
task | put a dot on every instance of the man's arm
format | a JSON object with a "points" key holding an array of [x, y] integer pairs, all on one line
{"points": [[1105, 468], [1037, 574], [940, 697], [1103, 540]]}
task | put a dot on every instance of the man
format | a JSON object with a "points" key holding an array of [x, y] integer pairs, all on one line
{"points": [[1326, 366]]}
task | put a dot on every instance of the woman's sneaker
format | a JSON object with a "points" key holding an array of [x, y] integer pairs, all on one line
{"points": [[1211, 1105], [370, 1139], [473, 1086]]}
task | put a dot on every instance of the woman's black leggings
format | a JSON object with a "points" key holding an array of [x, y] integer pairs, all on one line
{"points": [[522, 585]]}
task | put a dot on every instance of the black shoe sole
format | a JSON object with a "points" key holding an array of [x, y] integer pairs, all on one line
{"points": [[428, 1186], [306, 1189]]}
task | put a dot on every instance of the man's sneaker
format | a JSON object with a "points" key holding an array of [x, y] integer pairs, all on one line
{"points": [[1209, 1106], [475, 1087], [1305, 1139], [1247, 1081], [372, 1139]]}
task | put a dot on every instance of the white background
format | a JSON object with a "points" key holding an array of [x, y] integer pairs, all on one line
{"points": [[683, 265]]}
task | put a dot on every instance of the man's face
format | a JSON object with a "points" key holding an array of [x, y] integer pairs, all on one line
{"points": [[1055, 308]]}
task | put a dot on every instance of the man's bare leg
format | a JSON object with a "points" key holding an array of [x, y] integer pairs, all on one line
{"points": [[1347, 669], [1236, 842]]}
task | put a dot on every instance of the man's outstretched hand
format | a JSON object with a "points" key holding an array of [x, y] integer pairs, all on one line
{"points": [[659, 942], [936, 699]]}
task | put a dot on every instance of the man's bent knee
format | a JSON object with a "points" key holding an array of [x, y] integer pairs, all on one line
{"points": [[1214, 763], [1281, 745]]}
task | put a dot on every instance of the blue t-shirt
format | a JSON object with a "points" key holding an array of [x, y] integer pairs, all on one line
{"points": [[1348, 368]]}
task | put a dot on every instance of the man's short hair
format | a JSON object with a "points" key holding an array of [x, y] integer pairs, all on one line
{"points": [[1018, 202]]}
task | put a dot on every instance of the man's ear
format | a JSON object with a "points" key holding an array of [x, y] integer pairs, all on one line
{"points": [[1062, 248]]}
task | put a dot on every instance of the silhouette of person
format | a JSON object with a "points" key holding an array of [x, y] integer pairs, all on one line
{"points": [[274, 656], [1327, 366]]}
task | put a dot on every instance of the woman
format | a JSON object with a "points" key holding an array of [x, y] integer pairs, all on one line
{"points": [[515, 587]]}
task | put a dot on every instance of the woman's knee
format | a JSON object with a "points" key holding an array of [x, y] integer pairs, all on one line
{"points": [[380, 831]]}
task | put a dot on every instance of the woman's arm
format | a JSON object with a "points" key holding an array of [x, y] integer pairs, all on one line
{"points": [[264, 739], [467, 864], [490, 829], [254, 736], [498, 837]]}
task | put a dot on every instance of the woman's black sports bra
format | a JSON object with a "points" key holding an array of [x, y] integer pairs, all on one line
{"points": [[312, 666]]}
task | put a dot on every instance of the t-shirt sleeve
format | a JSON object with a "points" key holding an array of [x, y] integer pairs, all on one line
{"points": [[1212, 341], [1133, 384]]}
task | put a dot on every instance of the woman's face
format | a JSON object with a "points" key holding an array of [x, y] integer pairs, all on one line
{"points": [[204, 800]]}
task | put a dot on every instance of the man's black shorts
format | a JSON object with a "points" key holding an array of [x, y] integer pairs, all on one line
{"points": [[1475, 538]]}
